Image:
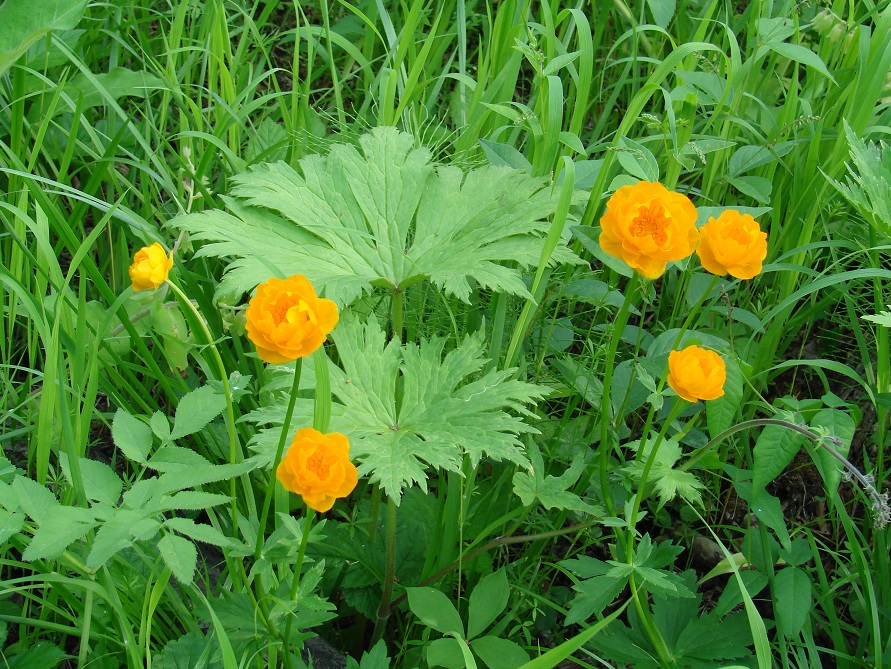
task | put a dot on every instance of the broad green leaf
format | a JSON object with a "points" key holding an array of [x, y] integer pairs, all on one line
{"points": [[663, 11], [747, 158], [198, 531], [445, 653], [721, 413], [180, 555], [384, 217], [160, 426], [775, 29], [838, 424], [594, 595], [171, 458], [757, 188], [188, 652], [196, 409], [709, 638], [800, 54], [731, 597], [114, 536], [57, 531], [119, 82], [132, 436], [435, 610], [196, 475], [35, 500], [766, 508], [269, 142], [41, 655], [637, 160], [10, 523], [376, 658], [793, 600], [192, 500], [774, 449], [23, 22], [101, 484], [504, 155], [447, 410], [500, 653], [487, 601]]}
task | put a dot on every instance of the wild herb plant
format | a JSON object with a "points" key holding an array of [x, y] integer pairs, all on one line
{"points": [[552, 410]]}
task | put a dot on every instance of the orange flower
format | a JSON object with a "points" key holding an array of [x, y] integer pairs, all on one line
{"points": [[150, 267], [648, 226], [286, 320], [317, 467], [733, 244], [696, 374]]}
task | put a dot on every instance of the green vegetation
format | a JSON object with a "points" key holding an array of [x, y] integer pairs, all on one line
{"points": [[532, 490]]}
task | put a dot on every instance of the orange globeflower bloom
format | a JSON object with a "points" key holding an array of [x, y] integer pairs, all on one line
{"points": [[286, 320], [696, 374], [317, 467], [151, 266], [732, 244], [648, 226]]}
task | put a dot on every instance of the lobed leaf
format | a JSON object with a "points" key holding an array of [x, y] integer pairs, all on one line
{"points": [[386, 216]]}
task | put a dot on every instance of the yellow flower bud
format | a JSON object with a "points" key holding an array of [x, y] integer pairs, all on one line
{"points": [[150, 268], [696, 374]]}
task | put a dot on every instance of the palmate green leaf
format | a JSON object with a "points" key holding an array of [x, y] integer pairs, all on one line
{"points": [[868, 181], [189, 651], [442, 417], [444, 414], [553, 492], [667, 481], [386, 216]]}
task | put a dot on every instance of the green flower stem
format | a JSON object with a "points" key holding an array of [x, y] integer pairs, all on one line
{"points": [[295, 582], [694, 311], [383, 611], [397, 314], [605, 449], [270, 487], [646, 618], [321, 418], [235, 454], [374, 510], [654, 451], [642, 606]]}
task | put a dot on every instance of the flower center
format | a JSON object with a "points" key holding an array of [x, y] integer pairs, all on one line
{"points": [[288, 309], [318, 464], [650, 222], [707, 366], [280, 309], [737, 233]]}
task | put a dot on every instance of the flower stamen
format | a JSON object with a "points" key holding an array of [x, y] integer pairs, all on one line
{"points": [[650, 222]]}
